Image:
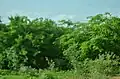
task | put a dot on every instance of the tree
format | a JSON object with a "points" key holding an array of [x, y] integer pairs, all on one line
{"points": [[99, 35], [0, 20], [32, 41]]}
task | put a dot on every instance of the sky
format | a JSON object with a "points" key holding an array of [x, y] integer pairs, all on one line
{"points": [[76, 10]]}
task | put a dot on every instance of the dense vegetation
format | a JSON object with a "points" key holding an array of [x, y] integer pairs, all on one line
{"points": [[89, 50]]}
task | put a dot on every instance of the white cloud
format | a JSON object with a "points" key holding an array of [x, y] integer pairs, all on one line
{"points": [[30, 15], [33, 15], [63, 16]]}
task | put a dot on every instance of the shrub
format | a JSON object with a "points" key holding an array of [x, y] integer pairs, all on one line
{"points": [[106, 65]]}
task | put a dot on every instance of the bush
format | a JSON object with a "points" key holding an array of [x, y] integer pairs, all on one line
{"points": [[29, 42], [83, 48], [106, 65], [99, 35]]}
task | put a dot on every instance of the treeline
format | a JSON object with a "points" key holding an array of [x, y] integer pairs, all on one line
{"points": [[41, 42]]}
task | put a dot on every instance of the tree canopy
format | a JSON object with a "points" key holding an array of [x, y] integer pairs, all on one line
{"points": [[31, 42]]}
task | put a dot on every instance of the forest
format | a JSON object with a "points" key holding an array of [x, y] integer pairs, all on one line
{"points": [[45, 49]]}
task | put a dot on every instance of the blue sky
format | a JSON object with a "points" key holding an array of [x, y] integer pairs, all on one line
{"points": [[58, 9]]}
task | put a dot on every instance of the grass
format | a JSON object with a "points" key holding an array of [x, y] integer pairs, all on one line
{"points": [[12, 77], [43, 77], [48, 74], [51, 74], [102, 68]]}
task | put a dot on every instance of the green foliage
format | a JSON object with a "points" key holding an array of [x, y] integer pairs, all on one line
{"points": [[29, 42], [105, 64], [10, 59], [88, 40], [45, 44]]}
